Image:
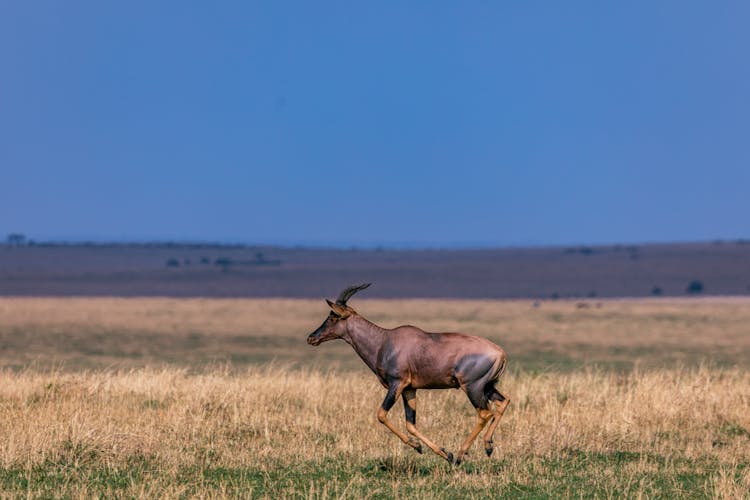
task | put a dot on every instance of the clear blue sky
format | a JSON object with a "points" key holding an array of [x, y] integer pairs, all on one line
{"points": [[421, 123]]}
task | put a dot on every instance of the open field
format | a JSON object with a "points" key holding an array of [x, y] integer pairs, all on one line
{"points": [[80, 333], [157, 397], [274, 432]]}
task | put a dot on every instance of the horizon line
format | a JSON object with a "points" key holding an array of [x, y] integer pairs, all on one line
{"points": [[375, 245]]}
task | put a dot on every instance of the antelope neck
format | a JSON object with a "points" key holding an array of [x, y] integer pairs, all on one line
{"points": [[366, 338]]}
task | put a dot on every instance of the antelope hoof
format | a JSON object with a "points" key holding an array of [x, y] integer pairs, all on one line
{"points": [[448, 455], [488, 448], [460, 458], [416, 444]]}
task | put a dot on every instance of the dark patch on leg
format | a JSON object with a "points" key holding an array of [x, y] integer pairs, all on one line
{"points": [[411, 413], [475, 371], [492, 394], [390, 397], [474, 367], [477, 397], [409, 396]]}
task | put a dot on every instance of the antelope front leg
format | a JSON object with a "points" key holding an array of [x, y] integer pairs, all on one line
{"points": [[410, 407], [394, 390]]}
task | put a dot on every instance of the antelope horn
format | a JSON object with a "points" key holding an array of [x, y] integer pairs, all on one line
{"points": [[349, 291]]}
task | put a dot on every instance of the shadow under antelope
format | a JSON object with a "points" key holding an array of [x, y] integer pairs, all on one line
{"points": [[407, 358]]}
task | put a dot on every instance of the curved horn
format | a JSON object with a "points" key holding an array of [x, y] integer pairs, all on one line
{"points": [[349, 291]]}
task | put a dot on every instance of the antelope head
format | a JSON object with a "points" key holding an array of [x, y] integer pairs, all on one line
{"points": [[334, 326]]}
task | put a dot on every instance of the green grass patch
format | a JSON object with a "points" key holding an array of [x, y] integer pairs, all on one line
{"points": [[573, 473]]}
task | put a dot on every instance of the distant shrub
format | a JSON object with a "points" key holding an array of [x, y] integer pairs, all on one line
{"points": [[656, 290], [580, 250], [205, 260], [223, 263], [16, 239], [592, 293], [173, 262], [695, 287]]}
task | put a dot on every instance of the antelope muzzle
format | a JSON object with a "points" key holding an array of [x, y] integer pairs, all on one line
{"points": [[316, 337]]}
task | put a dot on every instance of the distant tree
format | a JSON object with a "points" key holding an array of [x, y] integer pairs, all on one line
{"points": [[16, 239], [205, 260], [694, 287], [173, 262], [656, 290], [224, 263]]}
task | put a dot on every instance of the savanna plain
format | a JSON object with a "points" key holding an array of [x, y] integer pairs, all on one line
{"points": [[153, 397]]}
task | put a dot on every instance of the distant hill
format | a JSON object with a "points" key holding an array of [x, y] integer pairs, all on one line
{"points": [[718, 268]]}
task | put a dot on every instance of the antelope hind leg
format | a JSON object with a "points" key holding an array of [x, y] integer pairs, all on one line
{"points": [[483, 416], [501, 403]]}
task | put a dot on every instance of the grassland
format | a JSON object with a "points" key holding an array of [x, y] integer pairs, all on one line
{"points": [[87, 333], [275, 432], [219, 398]]}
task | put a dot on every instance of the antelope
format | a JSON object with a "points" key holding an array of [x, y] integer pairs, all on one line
{"points": [[406, 359]]}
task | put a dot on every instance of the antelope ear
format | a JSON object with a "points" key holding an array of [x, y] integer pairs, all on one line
{"points": [[338, 309]]}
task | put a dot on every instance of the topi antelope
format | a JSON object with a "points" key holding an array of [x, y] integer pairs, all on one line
{"points": [[406, 359]]}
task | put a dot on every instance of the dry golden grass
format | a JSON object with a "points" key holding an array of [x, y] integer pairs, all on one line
{"points": [[166, 432], [104, 332], [217, 398]]}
